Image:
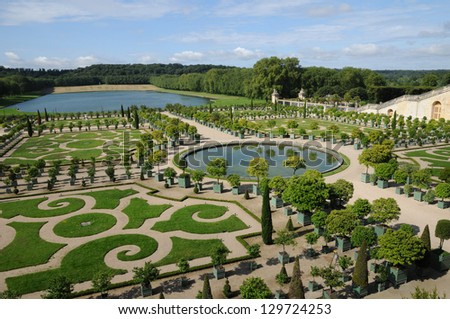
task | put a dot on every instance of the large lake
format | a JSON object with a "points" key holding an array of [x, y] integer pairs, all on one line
{"points": [[110, 100]]}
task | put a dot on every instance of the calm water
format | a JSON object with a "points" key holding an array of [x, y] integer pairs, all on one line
{"points": [[238, 158], [98, 101]]}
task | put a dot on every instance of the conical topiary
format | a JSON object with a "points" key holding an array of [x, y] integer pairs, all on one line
{"points": [[227, 289], [290, 225], [360, 272], [266, 216], [296, 290], [206, 293]]}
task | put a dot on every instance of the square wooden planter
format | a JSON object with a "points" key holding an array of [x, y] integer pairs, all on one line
{"points": [[159, 177], [146, 291], [218, 188], [283, 257], [443, 204], [235, 190], [360, 292], [343, 244], [365, 178], [256, 190], [319, 231], [276, 202], [280, 294], [185, 181], [382, 184], [418, 196], [313, 286], [304, 218], [287, 211], [399, 190], [219, 272], [440, 259], [357, 146], [398, 275]]}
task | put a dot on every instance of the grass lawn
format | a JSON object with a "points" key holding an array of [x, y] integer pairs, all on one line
{"points": [[138, 211], [72, 227], [27, 248], [109, 199], [86, 143], [189, 249], [82, 263], [182, 220], [28, 207]]}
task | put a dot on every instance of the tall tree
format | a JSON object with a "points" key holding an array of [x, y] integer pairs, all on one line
{"points": [[39, 119], [360, 272], [29, 127], [296, 289], [60, 288], [266, 216], [136, 119], [45, 114], [442, 231], [258, 167]]}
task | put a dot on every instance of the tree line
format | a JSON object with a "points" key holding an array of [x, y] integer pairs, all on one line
{"points": [[286, 75]]}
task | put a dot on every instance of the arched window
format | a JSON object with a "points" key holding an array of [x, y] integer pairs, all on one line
{"points": [[436, 110]]}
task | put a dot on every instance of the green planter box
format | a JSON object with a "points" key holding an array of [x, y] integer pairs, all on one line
{"points": [[146, 291], [256, 190], [319, 231], [418, 196], [287, 211], [279, 294], [365, 178], [381, 286], [343, 244], [382, 184], [159, 177], [399, 190], [398, 275], [311, 137], [440, 259], [235, 190], [443, 204], [241, 136], [149, 173], [292, 136], [326, 294], [218, 188], [170, 181], [304, 218], [185, 181], [379, 230], [357, 146], [360, 292], [313, 286], [283, 257], [276, 202], [219, 272]]}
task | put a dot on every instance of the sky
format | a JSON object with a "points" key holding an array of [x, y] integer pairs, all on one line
{"points": [[379, 35]]}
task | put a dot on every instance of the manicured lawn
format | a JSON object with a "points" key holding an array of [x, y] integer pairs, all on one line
{"points": [[138, 211], [86, 143], [76, 226], [189, 249], [424, 153], [109, 199], [27, 248], [182, 220], [82, 263], [28, 207]]}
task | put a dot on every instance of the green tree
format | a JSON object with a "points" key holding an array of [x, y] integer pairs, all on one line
{"points": [[444, 175], [361, 207], [217, 167], [422, 178], [206, 292], [360, 272], [278, 184], [332, 277], [296, 289], [306, 192], [385, 210], [59, 288], [258, 167], [377, 154], [285, 238], [197, 176], [158, 157], [341, 222], [363, 234], [400, 247], [443, 191], [384, 171], [219, 255], [136, 119], [234, 180], [9, 294], [442, 231], [424, 294], [226, 289], [266, 217], [29, 127], [295, 162], [255, 288], [101, 281], [145, 275], [340, 192]]}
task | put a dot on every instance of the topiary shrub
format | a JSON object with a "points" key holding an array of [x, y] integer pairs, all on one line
{"points": [[196, 190], [246, 194], [227, 289]]}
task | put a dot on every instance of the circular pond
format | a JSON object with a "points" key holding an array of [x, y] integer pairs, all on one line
{"points": [[239, 155]]}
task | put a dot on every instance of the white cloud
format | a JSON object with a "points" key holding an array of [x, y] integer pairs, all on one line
{"points": [[368, 49], [260, 7], [328, 10], [86, 60], [187, 56], [433, 50], [46, 62], [12, 57], [16, 12], [246, 54]]}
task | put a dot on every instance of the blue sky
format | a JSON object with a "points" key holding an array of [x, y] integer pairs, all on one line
{"points": [[396, 34]]}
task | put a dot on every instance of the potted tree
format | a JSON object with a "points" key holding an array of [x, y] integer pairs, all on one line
{"points": [[384, 210], [144, 276], [345, 262], [218, 258], [235, 182], [72, 174], [184, 180], [7, 183], [400, 177], [284, 238], [278, 184], [341, 223], [333, 279], [295, 162], [258, 167], [217, 168], [281, 278], [197, 178], [361, 273], [101, 282], [421, 179], [183, 266], [384, 172], [158, 157], [311, 239], [443, 191], [253, 251], [440, 259], [318, 219], [381, 277], [170, 174]]}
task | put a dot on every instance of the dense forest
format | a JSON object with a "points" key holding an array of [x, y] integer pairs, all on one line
{"points": [[285, 75]]}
